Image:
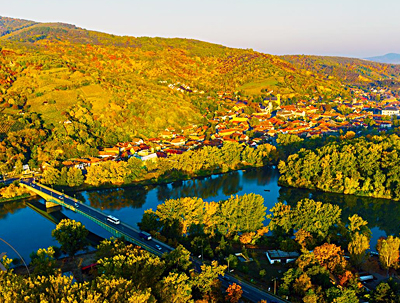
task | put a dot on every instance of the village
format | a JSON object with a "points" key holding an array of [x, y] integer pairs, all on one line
{"points": [[370, 108]]}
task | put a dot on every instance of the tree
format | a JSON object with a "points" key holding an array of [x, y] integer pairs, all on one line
{"points": [[176, 288], [309, 215], [331, 257], [205, 280], [388, 252], [149, 221], [71, 235], [384, 293], [357, 247], [18, 167], [242, 214], [74, 177], [302, 284], [233, 293], [44, 262], [180, 257], [51, 176]]}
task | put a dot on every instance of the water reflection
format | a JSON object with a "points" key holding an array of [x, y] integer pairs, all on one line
{"points": [[29, 230], [380, 213], [205, 188], [10, 208], [118, 198]]}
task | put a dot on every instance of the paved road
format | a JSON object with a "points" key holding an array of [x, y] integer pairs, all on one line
{"points": [[249, 292]]}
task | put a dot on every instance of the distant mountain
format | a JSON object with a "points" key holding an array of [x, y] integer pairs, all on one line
{"points": [[390, 58]]}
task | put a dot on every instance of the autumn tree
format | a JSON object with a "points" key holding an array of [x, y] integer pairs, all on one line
{"points": [[175, 288], [233, 293], [44, 262], [357, 247], [51, 176], [388, 252], [331, 257], [208, 277]]}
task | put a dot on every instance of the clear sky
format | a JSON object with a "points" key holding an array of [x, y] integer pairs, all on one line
{"points": [[354, 28]]}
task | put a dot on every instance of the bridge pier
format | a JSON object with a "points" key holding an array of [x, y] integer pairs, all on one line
{"points": [[52, 207]]}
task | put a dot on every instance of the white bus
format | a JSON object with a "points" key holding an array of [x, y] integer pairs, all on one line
{"points": [[113, 220]]}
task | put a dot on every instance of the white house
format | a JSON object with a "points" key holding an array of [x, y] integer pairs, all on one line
{"points": [[274, 256]]}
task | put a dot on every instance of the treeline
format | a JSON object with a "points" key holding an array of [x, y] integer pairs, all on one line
{"points": [[203, 161], [367, 166], [187, 216], [231, 155], [124, 273]]}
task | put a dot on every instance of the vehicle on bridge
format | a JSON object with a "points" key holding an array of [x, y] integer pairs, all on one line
{"points": [[145, 235], [113, 220]]}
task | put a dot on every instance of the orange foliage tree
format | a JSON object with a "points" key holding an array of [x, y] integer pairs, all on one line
{"points": [[234, 293]]}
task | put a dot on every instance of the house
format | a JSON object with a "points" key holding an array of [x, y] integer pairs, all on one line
{"points": [[390, 111], [151, 157], [178, 141], [280, 256]]}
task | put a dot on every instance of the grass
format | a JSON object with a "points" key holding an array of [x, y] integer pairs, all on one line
{"points": [[254, 88]]}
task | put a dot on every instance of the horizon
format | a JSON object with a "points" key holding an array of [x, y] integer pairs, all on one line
{"points": [[340, 29]]}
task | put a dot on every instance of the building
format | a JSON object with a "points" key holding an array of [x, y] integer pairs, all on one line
{"points": [[390, 111], [280, 256]]}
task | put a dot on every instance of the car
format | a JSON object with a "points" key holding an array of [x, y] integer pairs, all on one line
{"points": [[158, 247], [76, 205], [60, 197]]}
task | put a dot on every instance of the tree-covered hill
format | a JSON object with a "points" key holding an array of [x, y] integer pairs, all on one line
{"points": [[49, 68], [348, 70]]}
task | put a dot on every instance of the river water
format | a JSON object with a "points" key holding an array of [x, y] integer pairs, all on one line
{"points": [[27, 229]]}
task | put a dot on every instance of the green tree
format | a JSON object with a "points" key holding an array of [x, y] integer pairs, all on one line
{"points": [[176, 288], [179, 257], [74, 177], [208, 276], [71, 235], [357, 248], [51, 176]]}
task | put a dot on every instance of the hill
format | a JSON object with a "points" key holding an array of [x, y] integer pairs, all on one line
{"points": [[347, 70], [390, 58], [65, 90], [125, 82]]}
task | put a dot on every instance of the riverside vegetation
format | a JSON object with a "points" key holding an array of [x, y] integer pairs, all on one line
{"points": [[365, 166]]}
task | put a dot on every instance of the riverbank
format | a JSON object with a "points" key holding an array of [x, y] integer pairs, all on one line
{"points": [[154, 182]]}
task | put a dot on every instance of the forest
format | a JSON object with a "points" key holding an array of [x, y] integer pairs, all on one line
{"points": [[123, 273], [365, 166]]}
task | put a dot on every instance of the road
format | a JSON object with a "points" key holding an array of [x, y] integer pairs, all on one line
{"points": [[157, 247], [249, 292]]}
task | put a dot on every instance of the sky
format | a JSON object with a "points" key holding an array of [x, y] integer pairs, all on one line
{"points": [[350, 28]]}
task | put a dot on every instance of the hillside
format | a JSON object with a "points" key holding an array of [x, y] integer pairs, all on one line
{"points": [[65, 90], [348, 70], [49, 68], [390, 58]]}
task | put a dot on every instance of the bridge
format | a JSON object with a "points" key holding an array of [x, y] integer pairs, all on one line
{"points": [[131, 234]]}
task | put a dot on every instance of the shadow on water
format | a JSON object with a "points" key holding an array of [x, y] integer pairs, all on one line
{"points": [[56, 217], [381, 213]]}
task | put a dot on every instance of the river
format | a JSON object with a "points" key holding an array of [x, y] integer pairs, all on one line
{"points": [[27, 230]]}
